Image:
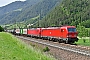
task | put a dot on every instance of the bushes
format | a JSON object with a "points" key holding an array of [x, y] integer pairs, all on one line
{"points": [[1, 29], [46, 49]]}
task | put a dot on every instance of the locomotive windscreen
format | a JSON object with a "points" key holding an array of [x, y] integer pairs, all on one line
{"points": [[71, 29]]}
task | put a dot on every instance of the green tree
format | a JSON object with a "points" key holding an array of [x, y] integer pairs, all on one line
{"points": [[1, 29]]}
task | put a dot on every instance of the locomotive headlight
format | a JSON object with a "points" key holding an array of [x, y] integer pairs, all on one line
{"points": [[69, 35], [75, 35]]}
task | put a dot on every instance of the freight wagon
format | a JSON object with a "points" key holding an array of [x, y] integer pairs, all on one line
{"points": [[21, 31]]}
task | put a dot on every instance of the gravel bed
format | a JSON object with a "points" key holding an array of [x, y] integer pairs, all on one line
{"points": [[58, 53]]}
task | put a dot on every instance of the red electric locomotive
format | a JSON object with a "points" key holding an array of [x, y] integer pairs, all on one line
{"points": [[35, 32], [67, 34]]}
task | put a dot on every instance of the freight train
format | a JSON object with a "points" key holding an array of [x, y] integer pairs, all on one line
{"points": [[66, 34]]}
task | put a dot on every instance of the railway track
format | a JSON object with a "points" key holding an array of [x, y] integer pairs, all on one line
{"points": [[75, 49]]}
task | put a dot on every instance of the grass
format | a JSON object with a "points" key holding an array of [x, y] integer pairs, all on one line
{"points": [[81, 42], [13, 49]]}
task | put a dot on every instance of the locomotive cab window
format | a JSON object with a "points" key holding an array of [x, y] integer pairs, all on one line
{"points": [[71, 29]]}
